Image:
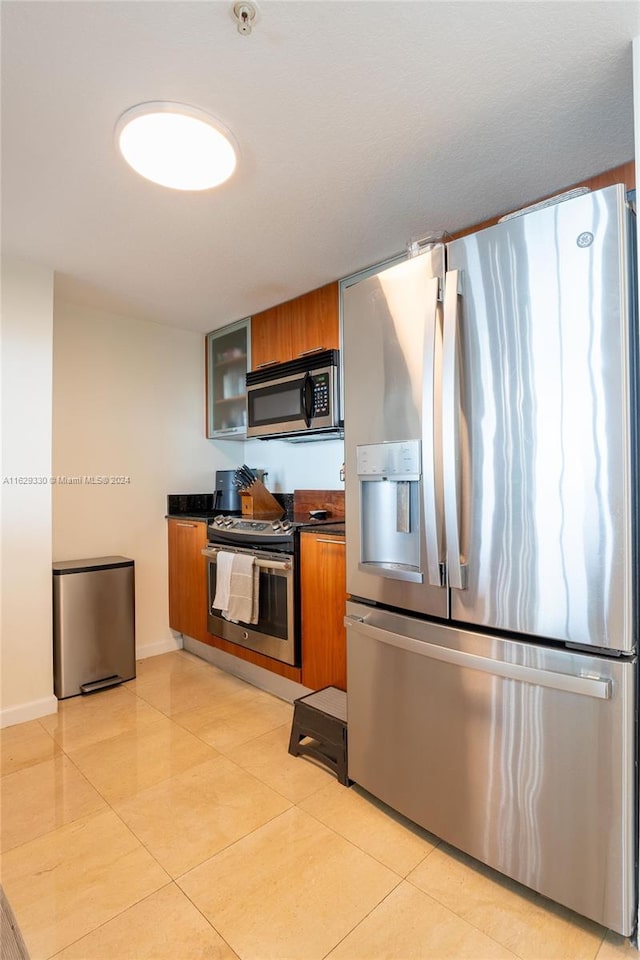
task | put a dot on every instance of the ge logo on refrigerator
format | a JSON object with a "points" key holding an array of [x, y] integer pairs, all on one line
{"points": [[585, 239]]}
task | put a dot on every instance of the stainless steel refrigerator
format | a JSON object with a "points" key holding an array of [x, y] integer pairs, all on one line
{"points": [[492, 547]]}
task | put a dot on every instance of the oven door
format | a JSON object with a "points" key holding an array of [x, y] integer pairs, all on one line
{"points": [[280, 406], [275, 634]]}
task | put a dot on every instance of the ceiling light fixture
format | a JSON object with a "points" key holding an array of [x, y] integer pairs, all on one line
{"points": [[176, 145]]}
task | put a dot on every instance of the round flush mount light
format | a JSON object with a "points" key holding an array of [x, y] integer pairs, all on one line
{"points": [[176, 145]]}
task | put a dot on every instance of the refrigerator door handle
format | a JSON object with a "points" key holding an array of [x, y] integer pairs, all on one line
{"points": [[595, 687], [431, 439], [457, 570]]}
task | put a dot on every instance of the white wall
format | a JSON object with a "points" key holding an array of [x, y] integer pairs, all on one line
{"points": [[297, 466], [26, 689], [128, 401]]}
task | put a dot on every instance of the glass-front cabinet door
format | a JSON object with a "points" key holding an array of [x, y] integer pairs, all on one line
{"points": [[228, 359]]}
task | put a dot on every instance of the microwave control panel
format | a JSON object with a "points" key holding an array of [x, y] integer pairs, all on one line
{"points": [[321, 395]]}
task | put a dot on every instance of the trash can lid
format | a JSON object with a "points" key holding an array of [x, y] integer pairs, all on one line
{"points": [[93, 563]]}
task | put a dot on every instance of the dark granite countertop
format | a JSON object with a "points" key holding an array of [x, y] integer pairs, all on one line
{"points": [[204, 516], [335, 527], [191, 506], [200, 506]]}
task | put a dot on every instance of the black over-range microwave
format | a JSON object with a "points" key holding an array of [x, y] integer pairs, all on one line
{"points": [[299, 399]]}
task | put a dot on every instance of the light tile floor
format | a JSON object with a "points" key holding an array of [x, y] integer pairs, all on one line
{"points": [[166, 820]]}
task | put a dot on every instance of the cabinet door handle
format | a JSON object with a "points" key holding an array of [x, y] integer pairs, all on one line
{"points": [[332, 540], [305, 353], [267, 363], [181, 523]]}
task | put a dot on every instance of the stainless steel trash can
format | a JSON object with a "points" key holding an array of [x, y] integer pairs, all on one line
{"points": [[93, 624]]}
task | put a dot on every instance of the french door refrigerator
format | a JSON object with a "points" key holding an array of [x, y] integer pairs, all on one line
{"points": [[492, 547]]}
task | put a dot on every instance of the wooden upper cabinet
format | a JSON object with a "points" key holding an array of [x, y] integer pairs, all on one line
{"points": [[270, 338], [314, 322], [302, 325], [626, 174], [228, 357]]}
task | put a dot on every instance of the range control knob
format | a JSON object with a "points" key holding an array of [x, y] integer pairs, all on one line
{"points": [[228, 521], [286, 525], [218, 521], [275, 525]]}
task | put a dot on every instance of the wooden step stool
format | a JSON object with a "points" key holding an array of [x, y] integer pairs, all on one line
{"points": [[322, 716]]}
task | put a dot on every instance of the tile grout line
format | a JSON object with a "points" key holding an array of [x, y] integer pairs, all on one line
{"points": [[470, 923], [109, 920], [212, 925], [292, 804], [297, 803], [132, 833], [362, 919], [139, 840]]}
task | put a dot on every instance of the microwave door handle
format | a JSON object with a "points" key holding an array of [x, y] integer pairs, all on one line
{"points": [[307, 399]]}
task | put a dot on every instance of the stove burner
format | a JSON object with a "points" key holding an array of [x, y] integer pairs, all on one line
{"points": [[279, 534], [228, 529], [250, 527]]}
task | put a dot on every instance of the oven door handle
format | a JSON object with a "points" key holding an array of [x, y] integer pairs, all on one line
{"points": [[212, 552]]}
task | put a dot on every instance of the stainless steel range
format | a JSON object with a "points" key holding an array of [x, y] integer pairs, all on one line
{"points": [[274, 545]]}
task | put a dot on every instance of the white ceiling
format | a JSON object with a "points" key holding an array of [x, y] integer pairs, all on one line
{"points": [[361, 125]]}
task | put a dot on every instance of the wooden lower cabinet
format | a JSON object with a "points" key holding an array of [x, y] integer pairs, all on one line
{"points": [[188, 577], [323, 590]]}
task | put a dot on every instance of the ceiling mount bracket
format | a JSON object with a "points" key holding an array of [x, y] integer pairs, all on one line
{"points": [[245, 14]]}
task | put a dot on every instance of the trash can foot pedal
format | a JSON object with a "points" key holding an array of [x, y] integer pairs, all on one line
{"points": [[101, 684]]}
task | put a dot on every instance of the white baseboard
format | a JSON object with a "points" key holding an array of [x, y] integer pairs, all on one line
{"points": [[28, 711], [161, 646]]}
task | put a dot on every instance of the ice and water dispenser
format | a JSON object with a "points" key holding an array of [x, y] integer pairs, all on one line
{"points": [[389, 480]]}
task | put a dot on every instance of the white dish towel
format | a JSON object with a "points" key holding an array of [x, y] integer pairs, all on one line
{"points": [[223, 580], [237, 587]]}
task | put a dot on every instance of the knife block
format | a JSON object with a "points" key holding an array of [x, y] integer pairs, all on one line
{"points": [[258, 503]]}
